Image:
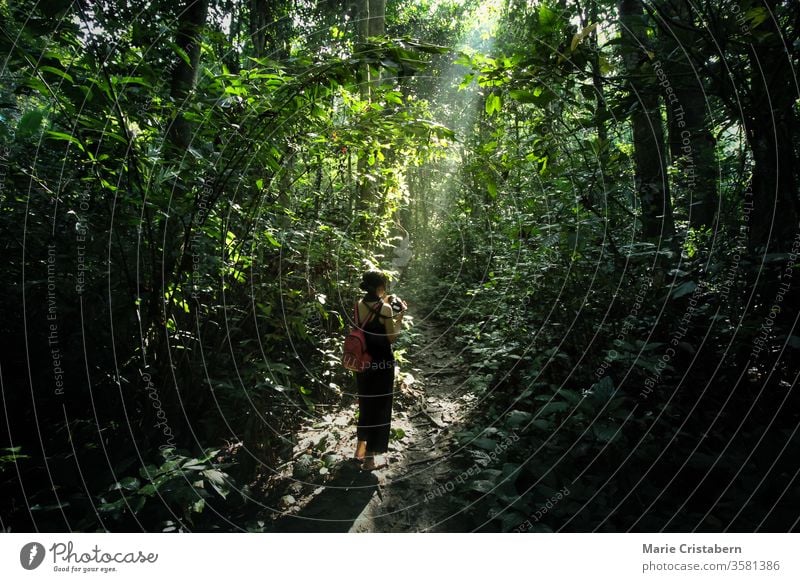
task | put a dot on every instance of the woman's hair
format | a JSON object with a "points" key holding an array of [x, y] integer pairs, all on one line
{"points": [[371, 280]]}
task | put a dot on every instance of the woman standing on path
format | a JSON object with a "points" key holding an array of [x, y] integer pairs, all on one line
{"points": [[375, 385]]}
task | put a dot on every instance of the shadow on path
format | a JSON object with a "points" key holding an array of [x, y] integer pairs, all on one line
{"points": [[335, 509]]}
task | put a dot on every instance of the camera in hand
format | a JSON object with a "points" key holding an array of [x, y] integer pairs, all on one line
{"points": [[396, 304]]}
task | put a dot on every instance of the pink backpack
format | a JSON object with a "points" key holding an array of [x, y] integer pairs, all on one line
{"points": [[356, 358]]}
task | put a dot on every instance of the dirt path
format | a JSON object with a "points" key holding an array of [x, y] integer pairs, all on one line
{"points": [[324, 491]]}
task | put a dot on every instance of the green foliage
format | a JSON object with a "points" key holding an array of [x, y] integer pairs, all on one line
{"points": [[227, 266], [173, 494], [10, 456], [591, 344]]}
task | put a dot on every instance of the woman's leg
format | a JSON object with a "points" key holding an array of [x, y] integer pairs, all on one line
{"points": [[381, 418], [383, 411], [364, 428]]}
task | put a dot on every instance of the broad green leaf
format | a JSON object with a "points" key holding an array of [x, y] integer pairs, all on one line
{"points": [[484, 443], [491, 186], [217, 480], [493, 104], [57, 135], [684, 289], [30, 122], [58, 72]]}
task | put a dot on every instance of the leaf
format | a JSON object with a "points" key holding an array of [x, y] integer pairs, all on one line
{"points": [[139, 503], [547, 17], [579, 36], [149, 490], [131, 81], [272, 240], [394, 97], [59, 136], [684, 289], [523, 96], [553, 407], [484, 443], [30, 122], [540, 96], [217, 480], [493, 103], [569, 395], [604, 432], [604, 389], [518, 417], [181, 53], [127, 483], [482, 486], [756, 16], [148, 471], [491, 186], [112, 507], [58, 72]]}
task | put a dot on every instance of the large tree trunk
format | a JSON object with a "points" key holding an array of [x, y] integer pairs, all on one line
{"points": [[259, 12], [651, 182], [377, 17], [371, 22], [191, 19], [231, 58], [691, 143], [362, 32], [769, 121]]}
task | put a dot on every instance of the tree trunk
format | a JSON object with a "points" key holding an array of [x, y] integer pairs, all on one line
{"points": [[370, 23], [769, 121], [270, 28], [601, 109], [259, 10], [362, 32], [377, 17], [232, 57], [651, 183], [691, 144], [184, 76]]}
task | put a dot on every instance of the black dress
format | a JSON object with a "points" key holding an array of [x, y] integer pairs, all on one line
{"points": [[375, 386]]}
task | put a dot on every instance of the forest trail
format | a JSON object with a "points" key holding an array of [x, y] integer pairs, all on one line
{"points": [[324, 490]]}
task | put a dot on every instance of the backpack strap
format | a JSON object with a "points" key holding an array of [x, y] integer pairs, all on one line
{"points": [[372, 311]]}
